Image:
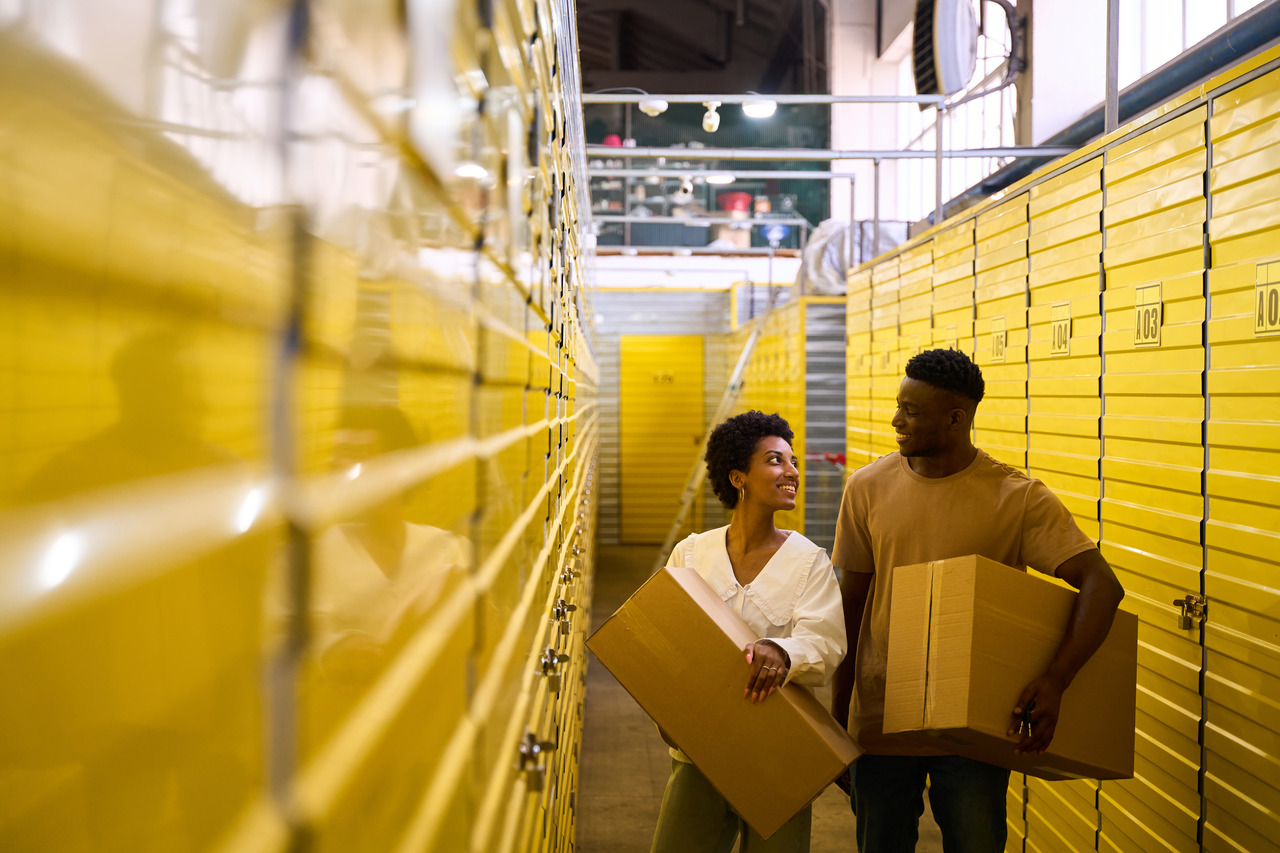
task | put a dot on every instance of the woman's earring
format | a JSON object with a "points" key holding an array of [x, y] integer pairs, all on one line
{"points": [[742, 494]]}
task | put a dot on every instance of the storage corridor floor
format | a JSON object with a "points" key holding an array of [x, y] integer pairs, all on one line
{"points": [[625, 763]]}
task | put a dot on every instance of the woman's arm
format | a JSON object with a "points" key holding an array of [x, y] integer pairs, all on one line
{"points": [[817, 642]]}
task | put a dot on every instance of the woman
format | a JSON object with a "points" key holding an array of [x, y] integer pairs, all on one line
{"points": [[784, 588]]}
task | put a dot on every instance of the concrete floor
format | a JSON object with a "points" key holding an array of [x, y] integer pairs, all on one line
{"points": [[625, 763]]}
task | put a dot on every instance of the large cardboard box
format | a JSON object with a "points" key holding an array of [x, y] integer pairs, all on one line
{"points": [[966, 636], [678, 649]]}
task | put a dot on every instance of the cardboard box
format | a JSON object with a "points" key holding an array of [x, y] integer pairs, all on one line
{"points": [[968, 634], [678, 650]]}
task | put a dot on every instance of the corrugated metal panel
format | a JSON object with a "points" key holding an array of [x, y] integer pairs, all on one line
{"points": [[824, 416], [953, 288], [1064, 355], [660, 405], [1153, 460], [858, 360], [1064, 407], [656, 311], [774, 381], [1000, 329], [886, 347], [915, 302], [314, 481], [1242, 531]]}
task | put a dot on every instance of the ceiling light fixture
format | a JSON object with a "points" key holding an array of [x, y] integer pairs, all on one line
{"points": [[653, 106], [711, 120], [648, 106], [469, 169], [720, 179], [762, 108]]}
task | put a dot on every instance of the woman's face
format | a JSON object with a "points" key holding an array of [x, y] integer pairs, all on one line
{"points": [[774, 474]]}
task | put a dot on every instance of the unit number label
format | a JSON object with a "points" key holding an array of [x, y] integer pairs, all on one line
{"points": [[999, 337], [1266, 300], [1148, 316], [1060, 329]]}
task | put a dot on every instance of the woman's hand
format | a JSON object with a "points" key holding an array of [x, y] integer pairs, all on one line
{"points": [[768, 670]]}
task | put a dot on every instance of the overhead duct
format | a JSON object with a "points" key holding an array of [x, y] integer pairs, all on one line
{"points": [[945, 46]]}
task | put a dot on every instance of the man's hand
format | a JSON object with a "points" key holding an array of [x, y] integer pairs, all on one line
{"points": [[768, 670], [1037, 713]]}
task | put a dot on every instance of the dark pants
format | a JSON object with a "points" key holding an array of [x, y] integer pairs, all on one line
{"points": [[967, 797]]}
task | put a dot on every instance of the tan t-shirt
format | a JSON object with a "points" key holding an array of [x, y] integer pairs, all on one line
{"points": [[891, 516]]}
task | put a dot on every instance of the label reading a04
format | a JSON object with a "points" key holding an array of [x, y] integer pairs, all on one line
{"points": [[1060, 329]]}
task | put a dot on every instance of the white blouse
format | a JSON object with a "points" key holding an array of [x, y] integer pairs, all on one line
{"points": [[794, 602]]}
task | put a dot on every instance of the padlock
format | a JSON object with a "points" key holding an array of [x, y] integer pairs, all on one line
{"points": [[1191, 607], [553, 682]]}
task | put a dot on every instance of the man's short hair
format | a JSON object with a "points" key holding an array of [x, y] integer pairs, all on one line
{"points": [[950, 370]]}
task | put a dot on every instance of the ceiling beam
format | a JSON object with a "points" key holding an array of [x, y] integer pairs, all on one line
{"points": [[675, 82]]}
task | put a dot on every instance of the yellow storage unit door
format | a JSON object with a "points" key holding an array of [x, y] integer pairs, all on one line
{"points": [[885, 370], [915, 301], [1242, 534], [660, 425], [1064, 406], [1064, 355], [1000, 329], [953, 287], [858, 424], [1153, 457]]}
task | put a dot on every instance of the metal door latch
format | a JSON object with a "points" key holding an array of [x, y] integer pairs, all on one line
{"points": [[531, 750], [550, 667], [1190, 608], [560, 613]]}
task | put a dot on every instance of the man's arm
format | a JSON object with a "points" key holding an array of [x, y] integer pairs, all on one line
{"points": [[854, 587], [1095, 610]]}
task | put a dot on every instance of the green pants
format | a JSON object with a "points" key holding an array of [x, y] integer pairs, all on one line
{"points": [[696, 819]]}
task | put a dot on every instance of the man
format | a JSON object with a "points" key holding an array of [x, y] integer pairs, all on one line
{"points": [[937, 497]]}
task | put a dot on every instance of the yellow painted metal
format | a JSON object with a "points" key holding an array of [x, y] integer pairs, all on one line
{"points": [[915, 301], [1061, 816], [132, 627], [1065, 245], [954, 286], [886, 368], [1000, 329], [660, 426], [859, 425], [1242, 530], [1152, 505], [1015, 814], [774, 381], [429, 431]]}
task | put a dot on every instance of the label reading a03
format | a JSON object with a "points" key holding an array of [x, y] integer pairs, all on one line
{"points": [[1148, 316]]}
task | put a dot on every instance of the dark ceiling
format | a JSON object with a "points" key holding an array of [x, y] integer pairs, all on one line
{"points": [[704, 46]]}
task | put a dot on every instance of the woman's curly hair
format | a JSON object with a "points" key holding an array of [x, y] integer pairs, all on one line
{"points": [[950, 370], [732, 444]]}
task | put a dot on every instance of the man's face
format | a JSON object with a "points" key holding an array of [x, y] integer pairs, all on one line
{"points": [[925, 422]]}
